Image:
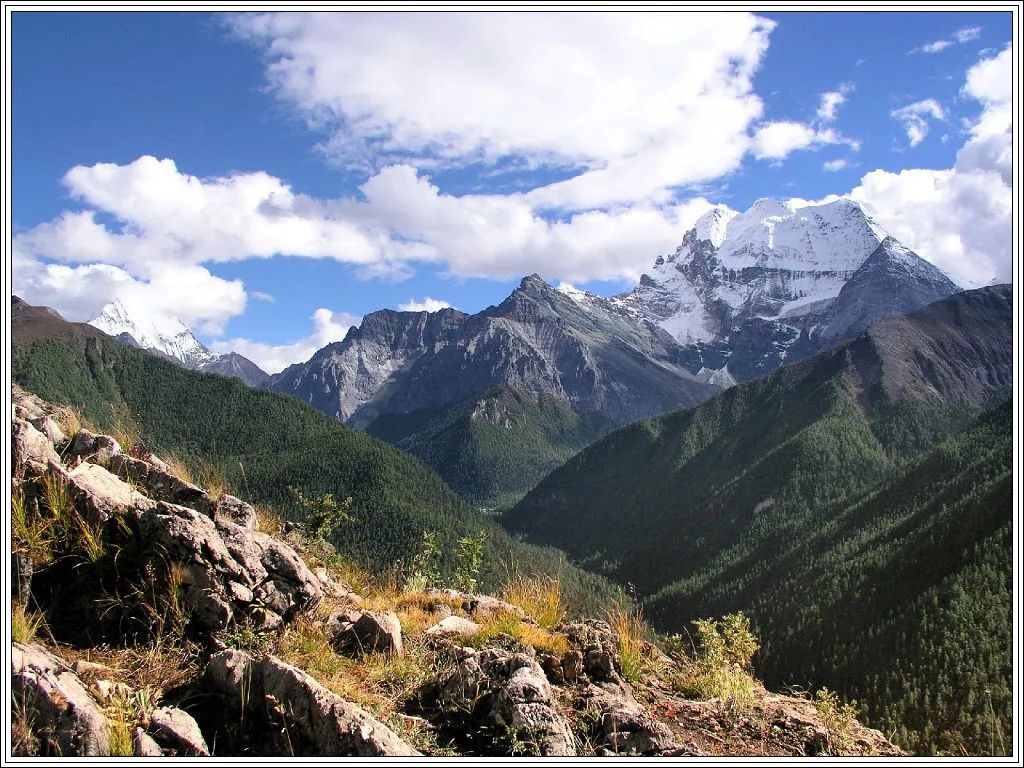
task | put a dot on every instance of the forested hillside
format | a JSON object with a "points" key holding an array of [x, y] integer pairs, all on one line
{"points": [[494, 447], [265, 444], [846, 501]]}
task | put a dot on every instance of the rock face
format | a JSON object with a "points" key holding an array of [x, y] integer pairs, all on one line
{"points": [[226, 569], [747, 292], [573, 346], [178, 731], [507, 691], [297, 709], [63, 715]]}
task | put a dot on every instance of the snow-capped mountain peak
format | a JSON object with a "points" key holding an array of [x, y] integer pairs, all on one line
{"points": [[712, 225], [153, 331]]}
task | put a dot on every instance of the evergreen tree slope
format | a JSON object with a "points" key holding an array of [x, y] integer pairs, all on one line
{"points": [[494, 447], [264, 444], [857, 503]]}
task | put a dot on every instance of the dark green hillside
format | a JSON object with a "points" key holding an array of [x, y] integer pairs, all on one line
{"points": [[280, 442], [494, 447], [823, 500]]}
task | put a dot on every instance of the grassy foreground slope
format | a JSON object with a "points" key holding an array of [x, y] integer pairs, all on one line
{"points": [[265, 443]]}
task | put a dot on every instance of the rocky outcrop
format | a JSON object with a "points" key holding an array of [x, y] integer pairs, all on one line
{"points": [[478, 606], [226, 569], [507, 691], [62, 714], [303, 718]]}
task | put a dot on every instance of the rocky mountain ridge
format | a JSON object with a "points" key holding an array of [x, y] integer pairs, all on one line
{"points": [[171, 339], [223, 633], [745, 292]]}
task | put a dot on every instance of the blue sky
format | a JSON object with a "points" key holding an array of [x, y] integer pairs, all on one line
{"points": [[269, 179]]}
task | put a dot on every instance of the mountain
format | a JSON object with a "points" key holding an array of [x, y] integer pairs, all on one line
{"points": [[547, 345], [171, 339], [745, 292], [757, 497], [263, 444], [493, 447]]}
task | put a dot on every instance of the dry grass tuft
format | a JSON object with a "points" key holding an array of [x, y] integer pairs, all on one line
{"points": [[495, 628], [539, 596], [630, 635], [25, 624], [177, 467]]}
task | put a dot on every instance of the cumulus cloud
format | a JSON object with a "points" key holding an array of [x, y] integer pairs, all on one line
{"points": [[776, 140], [426, 304], [328, 327], [959, 218], [628, 104], [962, 35], [914, 118], [835, 165]]}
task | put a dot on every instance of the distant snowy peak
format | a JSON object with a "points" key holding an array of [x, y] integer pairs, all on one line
{"points": [[712, 225], [155, 332]]}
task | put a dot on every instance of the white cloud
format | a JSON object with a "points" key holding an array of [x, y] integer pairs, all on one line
{"points": [[962, 35], [914, 118], [634, 104], [427, 304], [189, 292], [261, 296], [831, 101], [959, 218], [835, 165], [775, 141], [328, 327]]}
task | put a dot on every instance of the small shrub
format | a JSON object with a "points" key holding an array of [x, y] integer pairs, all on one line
{"points": [[426, 566], [539, 596], [836, 716], [321, 516], [469, 557], [722, 667]]}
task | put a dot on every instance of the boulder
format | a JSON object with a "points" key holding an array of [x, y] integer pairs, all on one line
{"points": [[623, 727], [178, 731], [160, 484], [229, 570], [98, 449], [304, 717], [30, 447], [63, 715], [359, 632], [49, 427], [480, 606], [453, 625], [99, 495], [233, 510], [598, 651], [497, 688], [143, 745], [335, 588]]}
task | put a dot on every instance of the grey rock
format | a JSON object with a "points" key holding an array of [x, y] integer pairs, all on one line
{"points": [[317, 721], [30, 447], [507, 690], [623, 726], [100, 495], [160, 484], [144, 745], [359, 632], [63, 715], [597, 653], [92, 447], [452, 625], [234, 510], [178, 731], [479, 606]]}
